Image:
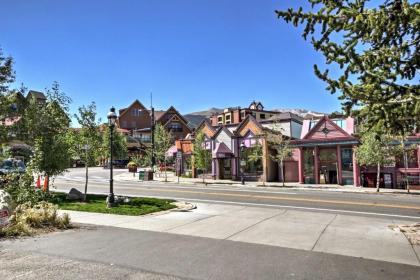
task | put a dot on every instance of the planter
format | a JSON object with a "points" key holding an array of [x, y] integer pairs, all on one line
{"points": [[132, 169]]}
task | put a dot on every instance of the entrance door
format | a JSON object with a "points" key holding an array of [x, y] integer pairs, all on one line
{"points": [[328, 166], [225, 166]]}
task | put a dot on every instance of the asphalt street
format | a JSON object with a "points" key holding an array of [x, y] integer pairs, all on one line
{"points": [[194, 257], [405, 206]]}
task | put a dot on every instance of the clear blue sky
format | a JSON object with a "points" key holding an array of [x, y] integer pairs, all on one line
{"points": [[193, 54]]}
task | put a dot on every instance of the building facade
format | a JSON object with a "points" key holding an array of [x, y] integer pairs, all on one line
{"points": [[136, 119]]}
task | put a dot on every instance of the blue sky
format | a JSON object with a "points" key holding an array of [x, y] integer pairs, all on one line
{"points": [[193, 54]]}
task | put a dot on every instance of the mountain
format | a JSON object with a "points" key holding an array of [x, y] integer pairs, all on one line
{"points": [[195, 118], [302, 112]]}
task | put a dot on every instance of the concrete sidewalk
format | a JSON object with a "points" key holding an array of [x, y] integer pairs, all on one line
{"points": [[159, 178], [364, 237]]}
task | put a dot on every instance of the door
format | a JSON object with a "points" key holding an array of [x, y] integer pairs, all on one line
{"points": [[225, 168]]}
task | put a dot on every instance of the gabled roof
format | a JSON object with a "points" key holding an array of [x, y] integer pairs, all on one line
{"points": [[132, 104], [206, 123], [225, 129], [172, 108], [36, 94], [221, 148], [179, 117], [326, 120], [249, 118]]}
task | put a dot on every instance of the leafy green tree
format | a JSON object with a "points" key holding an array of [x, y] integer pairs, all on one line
{"points": [[377, 150], [119, 147], [201, 155], [283, 151], [255, 155], [46, 129], [376, 48], [7, 76], [87, 142], [163, 141]]}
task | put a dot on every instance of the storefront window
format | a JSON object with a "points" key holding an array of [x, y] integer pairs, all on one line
{"points": [[347, 166], [411, 159], [252, 167], [308, 166]]}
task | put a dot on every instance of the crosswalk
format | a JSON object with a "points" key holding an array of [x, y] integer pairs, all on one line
{"points": [[82, 178]]}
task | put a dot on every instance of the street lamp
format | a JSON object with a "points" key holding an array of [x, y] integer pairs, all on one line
{"points": [[112, 118], [242, 162]]}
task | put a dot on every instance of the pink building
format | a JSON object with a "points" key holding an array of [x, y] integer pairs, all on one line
{"points": [[326, 156]]}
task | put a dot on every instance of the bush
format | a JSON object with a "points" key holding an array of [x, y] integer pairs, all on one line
{"points": [[21, 190], [132, 164], [28, 218]]}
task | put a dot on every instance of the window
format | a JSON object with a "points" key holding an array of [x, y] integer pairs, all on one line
{"points": [[340, 123], [175, 127], [243, 114], [124, 124], [262, 116], [135, 112], [220, 119], [347, 166], [228, 117]]}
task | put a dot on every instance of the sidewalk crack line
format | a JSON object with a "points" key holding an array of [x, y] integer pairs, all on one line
{"points": [[323, 231]]}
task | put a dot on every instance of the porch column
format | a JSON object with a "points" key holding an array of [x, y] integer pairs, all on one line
{"points": [[300, 166], [265, 160], [214, 168], [316, 164], [339, 171], [356, 170], [233, 168], [418, 156]]}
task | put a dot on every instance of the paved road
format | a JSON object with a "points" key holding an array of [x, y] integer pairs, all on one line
{"points": [[390, 205], [194, 257]]}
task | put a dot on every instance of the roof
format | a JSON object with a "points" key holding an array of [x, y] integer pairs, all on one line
{"points": [[284, 116], [36, 94], [124, 111], [221, 148]]}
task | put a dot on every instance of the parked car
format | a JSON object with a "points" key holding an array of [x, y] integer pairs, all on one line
{"points": [[12, 166], [119, 163]]}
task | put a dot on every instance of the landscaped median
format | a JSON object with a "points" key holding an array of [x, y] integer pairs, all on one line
{"points": [[26, 210], [133, 206]]}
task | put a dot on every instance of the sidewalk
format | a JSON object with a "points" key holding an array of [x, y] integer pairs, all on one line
{"points": [[356, 236], [171, 178]]}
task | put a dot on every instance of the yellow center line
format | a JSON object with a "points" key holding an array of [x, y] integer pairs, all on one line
{"points": [[293, 199]]}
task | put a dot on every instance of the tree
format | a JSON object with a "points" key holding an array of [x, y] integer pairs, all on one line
{"points": [[46, 126], [377, 150], [163, 141], [255, 154], [377, 52], [7, 76], [88, 143], [119, 147], [283, 151], [201, 155]]}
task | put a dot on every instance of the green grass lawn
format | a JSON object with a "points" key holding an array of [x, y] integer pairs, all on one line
{"points": [[96, 203]]}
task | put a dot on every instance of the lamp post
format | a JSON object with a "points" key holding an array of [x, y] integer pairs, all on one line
{"points": [[112, 117], [242, 162]]}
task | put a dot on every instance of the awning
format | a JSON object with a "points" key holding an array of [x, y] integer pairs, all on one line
{"points": [[221, 151]]}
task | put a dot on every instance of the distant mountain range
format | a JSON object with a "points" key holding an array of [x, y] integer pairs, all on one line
{"points": [[195, 118]]}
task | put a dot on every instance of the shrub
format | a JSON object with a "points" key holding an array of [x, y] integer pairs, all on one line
{"points": [[28, 218], [132, 164]]}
